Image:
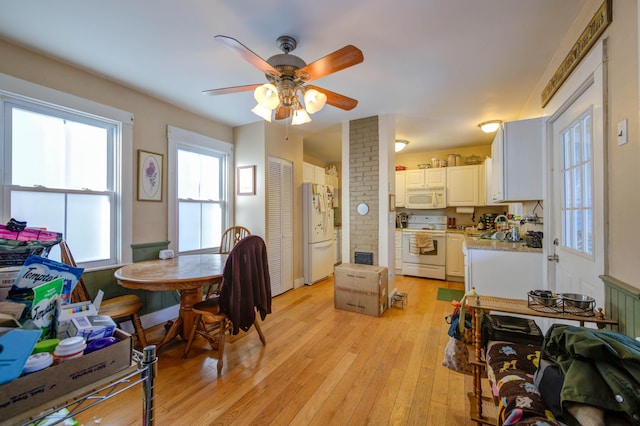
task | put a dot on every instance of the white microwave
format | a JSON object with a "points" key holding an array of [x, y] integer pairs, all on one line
{"points": [[421, 198]]}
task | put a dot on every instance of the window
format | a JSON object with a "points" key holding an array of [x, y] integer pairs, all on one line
{"points": [[577, 209], [199, 189], [62, 170]]}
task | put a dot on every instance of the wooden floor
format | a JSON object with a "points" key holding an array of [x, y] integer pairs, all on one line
{"points": [[321, 366]]}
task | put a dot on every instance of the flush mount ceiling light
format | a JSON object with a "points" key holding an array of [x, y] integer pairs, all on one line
{"points": [[401, 144], [287, 93], [490, 126]]}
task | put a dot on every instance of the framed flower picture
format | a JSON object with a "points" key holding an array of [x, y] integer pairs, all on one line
{"points": [[150, 171]]}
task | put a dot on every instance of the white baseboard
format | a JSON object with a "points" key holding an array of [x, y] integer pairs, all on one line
{"points": [[153, 319]]}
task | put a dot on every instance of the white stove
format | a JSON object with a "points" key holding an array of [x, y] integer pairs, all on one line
{"points": [[431, 223], [428, 260]]}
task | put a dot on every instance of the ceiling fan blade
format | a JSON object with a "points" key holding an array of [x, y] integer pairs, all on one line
{"points": [[247, 54], [335, 99], [282, 112], [333, 62], [234, 89]]}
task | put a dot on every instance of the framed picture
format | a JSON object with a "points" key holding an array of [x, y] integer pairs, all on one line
{"points": [[150, 171], [392, 202], [246, 180]]}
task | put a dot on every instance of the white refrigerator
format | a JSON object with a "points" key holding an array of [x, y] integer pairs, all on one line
{"points": [[318, 236]]}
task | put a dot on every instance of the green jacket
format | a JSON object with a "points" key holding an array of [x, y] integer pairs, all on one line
{"points": [[600, 367]]}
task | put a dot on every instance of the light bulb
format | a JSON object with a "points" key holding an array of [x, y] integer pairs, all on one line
{"points": [[401, 144], [490, 126], [300, 116], [262, 111], [267, 96], [314, 101]]}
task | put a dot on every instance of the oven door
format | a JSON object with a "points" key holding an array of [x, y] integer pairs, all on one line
{"points": [[413, 254]]}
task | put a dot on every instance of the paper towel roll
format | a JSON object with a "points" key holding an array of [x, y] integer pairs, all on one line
{"points": [[465, 210]]}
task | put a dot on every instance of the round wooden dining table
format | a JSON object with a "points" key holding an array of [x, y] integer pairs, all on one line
{"points": [[187, 274]]}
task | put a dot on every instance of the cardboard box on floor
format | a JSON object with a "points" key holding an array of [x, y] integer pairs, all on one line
{"points": [[361, 288], [38, 388]]}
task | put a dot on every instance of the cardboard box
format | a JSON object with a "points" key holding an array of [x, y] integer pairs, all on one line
{"points": [[42, 386], [92, 327], [361, 288]]}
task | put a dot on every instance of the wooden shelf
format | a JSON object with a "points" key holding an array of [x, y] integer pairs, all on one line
{"points": [[482, 304], [487, 406]]}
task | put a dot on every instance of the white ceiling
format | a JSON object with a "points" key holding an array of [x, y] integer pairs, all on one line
{"points": [[440, 66]]}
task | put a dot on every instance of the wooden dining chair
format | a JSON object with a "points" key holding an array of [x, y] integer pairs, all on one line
{"points": [[125, 306], [246, 272], [230, 238]]}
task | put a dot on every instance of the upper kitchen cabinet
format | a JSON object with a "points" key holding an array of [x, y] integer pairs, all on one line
{"points": [[516, 156], [312, 173], [400, 185], [486, 194], [463, 186], [426, 178]]}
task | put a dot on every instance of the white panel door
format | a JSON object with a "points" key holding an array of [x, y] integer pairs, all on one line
{"points": [[576, 245]]}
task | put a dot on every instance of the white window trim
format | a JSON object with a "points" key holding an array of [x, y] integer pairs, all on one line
{"points": [[15, 87], [179, 137]]}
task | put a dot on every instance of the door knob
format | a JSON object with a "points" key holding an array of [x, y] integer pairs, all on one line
{"points": [[553, 257]]}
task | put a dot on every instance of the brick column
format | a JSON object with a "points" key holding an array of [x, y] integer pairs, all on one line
{"points": [[364, 172]]}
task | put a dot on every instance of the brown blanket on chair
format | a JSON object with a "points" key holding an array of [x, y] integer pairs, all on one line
{"points": [[246, 284]]}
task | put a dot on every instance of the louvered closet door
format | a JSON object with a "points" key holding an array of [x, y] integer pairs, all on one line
{"points": [[280, 224]]}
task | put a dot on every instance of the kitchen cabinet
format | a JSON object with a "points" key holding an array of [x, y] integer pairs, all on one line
{"points": [[463, 185], [486, 195], [426, 178], [455, 258], [398, 258], [400, 186], [312, 173], [332, 180], [517, 164], [500, 273]]}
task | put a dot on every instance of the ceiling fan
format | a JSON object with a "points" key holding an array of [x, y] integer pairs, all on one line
{"points": [[288, 76]]}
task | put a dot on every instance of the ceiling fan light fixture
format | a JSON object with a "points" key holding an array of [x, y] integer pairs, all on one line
{"points": [[267, 96], [401, 144], [300, 116], [314, 101], [262, 111], [490, 126]]}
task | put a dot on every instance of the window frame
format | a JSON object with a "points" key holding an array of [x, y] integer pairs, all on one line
{"points": [[17, 91], [180, 138]]}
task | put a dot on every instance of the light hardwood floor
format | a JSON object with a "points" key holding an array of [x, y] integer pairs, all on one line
{"points": [[321, 366]]}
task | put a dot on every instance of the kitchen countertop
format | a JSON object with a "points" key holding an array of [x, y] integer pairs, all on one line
{"points": [[474, 243]]}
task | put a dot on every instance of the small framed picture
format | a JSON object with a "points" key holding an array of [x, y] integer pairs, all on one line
{"points": [[392, 202], [150, 173], [246, 180]]}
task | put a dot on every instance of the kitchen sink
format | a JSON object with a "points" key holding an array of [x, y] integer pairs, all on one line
{"points": [[498, 236]]}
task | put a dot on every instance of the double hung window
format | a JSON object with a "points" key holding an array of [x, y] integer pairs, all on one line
{"points": [[199, 208], [61, 170]]}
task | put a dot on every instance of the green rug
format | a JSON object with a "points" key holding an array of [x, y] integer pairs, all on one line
{"points": [[449, 294]]}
